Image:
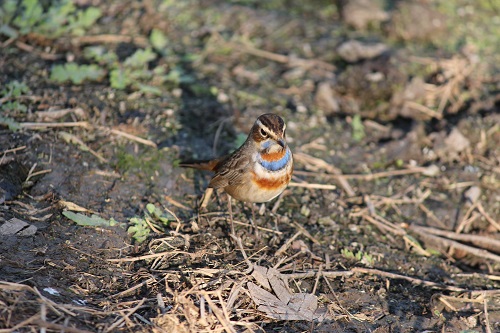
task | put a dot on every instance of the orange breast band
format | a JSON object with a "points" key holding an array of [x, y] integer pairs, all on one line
{"points": [[271, 183], [273, 157]]}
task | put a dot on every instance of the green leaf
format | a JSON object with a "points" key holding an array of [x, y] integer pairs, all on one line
{"points": [[140, 58], [55, 20], [147, 89], [92, 221], [8, 31], [31, 14], [139, 229], [89, 16], [158, 39], [8, 10], [358, 129], [15, 89], [100, 54], [84, 20], [174, 76], [11, 123], [119, 79], [158, 214], [150, 208], [14, 106]]}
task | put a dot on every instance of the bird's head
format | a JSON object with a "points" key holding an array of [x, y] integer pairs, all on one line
{"points": [[268, 133]]}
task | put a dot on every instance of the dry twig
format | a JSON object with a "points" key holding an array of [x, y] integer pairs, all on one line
{"points": [[292, 61], [453, 244], [313, 186]]}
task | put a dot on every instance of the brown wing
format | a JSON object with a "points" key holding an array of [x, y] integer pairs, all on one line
{"points": [[231, 170]]}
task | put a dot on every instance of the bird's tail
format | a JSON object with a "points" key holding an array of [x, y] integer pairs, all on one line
{"points": [[209, 165]]}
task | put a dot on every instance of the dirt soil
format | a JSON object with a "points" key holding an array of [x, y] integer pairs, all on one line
{"points": [[392, 220]]}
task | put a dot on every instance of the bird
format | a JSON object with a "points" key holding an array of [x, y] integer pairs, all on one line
{"points": [[256, 172]]}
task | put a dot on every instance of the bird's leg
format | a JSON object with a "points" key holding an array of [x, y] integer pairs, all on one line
{"points": [[254, 223], [230, 214], [253, 214]]}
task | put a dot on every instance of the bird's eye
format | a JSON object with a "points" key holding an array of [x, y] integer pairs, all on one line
{"points": [[263, 133]]}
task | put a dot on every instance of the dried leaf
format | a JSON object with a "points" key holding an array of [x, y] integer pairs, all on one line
{"points": [[278, 285], [74, 207], [283, 304], [260, 275]]}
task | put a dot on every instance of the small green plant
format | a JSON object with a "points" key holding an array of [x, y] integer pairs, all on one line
{"points": [[358, 130], [139, 229], [9, 95], [9, 103], [154, 217], [364, 258], [75, 73], [132, 73], [10, 123], [50, 19], [53, 19], [133, 69], [14, 89], [158, 40]]}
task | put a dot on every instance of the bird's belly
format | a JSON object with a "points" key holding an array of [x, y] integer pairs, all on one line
{"points": [[258, 189]]}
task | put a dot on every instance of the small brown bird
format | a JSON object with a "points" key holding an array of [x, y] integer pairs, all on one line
{"points": [[259, 170]]}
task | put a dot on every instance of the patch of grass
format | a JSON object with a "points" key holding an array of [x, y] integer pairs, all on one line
{"points": [[127, 161], [474, 23], [147, 162]]}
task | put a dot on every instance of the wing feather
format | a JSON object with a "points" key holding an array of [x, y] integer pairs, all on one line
{"points": [[231, 171]]}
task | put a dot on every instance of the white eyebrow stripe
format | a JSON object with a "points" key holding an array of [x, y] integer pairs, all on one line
{"points": [[264, 127]]}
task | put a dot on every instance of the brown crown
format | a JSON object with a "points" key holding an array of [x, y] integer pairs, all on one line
{"points": [[272, 123]]}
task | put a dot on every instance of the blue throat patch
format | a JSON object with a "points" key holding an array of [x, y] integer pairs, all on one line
{"points": [[276, 165]]}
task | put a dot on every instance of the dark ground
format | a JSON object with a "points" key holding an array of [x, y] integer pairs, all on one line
{"points": [[405, 125]]}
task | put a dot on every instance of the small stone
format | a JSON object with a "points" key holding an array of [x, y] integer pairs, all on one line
{"points": [[472, 194], [15, 226], [304, 210], [325, 99], [431, 171], [353, 50], [361, 13]]}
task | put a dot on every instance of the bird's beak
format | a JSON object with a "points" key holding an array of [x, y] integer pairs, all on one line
{"points": [[282, 143]]}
